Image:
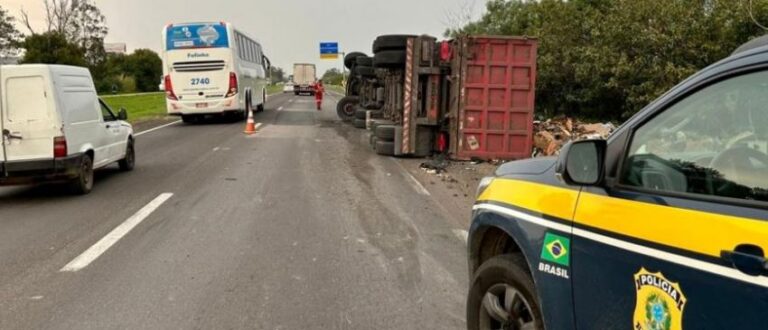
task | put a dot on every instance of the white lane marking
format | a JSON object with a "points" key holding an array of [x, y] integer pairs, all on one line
{"points": [[412, 180], [257, 126], [290, 101], [417, 185], [631, 247], [280, 109], [115, 235], [216, 149], [156, 128], [463, 235]]}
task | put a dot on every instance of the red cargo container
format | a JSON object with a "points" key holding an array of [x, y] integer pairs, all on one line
{"points": [[493, 100]]}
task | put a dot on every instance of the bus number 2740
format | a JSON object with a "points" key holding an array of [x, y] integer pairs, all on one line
{"points": [[200, 81]]}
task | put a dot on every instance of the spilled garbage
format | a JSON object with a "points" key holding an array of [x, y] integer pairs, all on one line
{"points": [[552, 134]]}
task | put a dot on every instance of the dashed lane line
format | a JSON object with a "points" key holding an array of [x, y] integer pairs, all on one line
{"points": [[87, 257], [156, 128]]}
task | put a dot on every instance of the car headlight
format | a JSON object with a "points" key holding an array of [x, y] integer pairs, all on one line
{"points": [[484, 183]]}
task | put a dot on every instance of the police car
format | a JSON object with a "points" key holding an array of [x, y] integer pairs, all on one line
{"points": [[663, 226]]}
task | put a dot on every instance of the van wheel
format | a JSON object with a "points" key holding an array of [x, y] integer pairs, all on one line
{"points": [[83, 183], [502, 296], [127, 163]]}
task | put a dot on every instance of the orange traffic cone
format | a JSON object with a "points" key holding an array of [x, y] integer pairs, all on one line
{"points": [[250, 125]]}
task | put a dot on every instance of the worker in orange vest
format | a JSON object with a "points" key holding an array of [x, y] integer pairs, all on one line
{"points": [[319, 90]]}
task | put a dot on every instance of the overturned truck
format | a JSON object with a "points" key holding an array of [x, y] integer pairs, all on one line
{"points": [[469, 98]]}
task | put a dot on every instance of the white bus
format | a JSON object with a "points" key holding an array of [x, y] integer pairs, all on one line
{"points": [[212, 68]]}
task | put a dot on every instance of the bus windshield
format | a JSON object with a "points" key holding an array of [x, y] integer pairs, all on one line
{"points": [[189, 36]]}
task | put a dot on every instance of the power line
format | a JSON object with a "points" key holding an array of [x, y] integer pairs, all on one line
{"points": [[752, 16]]}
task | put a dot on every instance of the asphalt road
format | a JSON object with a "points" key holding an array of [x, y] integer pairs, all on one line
{"points": [[300, 226]]}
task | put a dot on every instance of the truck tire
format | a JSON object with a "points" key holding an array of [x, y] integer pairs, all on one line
{"points": [[386, 148], [83, 183], [351, 59], [378, 122], [353, 86], [359, 123], [360, 113], [364, 60], [345, 108], [365, 71], [129, 162], [391, 42], [389, 59], [385, 132], [493, 279]]}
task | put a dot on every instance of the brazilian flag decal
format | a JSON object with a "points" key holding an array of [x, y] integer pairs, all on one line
{"points": [[556, 249]]}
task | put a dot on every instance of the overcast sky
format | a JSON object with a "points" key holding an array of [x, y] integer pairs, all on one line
{"points": [[289, 30]]}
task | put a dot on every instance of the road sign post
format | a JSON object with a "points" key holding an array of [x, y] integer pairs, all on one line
{"points": [[330, 51]]}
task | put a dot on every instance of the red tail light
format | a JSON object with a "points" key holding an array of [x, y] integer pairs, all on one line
{"points": [[169, 89], [59, 147], [445, 51], [442, 142], [232, 85]]}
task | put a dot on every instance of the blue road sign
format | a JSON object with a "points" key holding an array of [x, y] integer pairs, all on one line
{"points": [[329, 48]]}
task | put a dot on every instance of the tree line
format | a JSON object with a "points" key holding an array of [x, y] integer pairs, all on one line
{"points": [[73, 34], [606, 59]]}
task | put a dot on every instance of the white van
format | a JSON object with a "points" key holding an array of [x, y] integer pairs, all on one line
{"points": [[56, 129]]}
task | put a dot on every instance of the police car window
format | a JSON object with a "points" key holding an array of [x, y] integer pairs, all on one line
{"points": [[714, 142]]}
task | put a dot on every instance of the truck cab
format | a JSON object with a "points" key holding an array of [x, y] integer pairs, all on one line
{"points": [[662, 226]]}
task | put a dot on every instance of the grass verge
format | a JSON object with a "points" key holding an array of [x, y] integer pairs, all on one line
{"points": [[140, 107], [148, 106], [335, 88]]}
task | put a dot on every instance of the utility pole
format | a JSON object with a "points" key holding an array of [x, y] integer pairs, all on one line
{"points": [[2, 116], [343, 71]]}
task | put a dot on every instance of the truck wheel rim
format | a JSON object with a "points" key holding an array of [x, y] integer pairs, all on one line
{"points": [[349, 109], [504, 307]]}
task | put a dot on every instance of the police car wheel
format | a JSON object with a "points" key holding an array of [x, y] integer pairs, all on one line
{"points": [[503, 296]]}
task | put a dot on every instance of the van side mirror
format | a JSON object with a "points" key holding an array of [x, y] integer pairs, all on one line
{"points": [[582, 162], [122, 114]]}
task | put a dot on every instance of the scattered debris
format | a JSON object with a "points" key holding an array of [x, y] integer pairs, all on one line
{"points": [[552, 134], [436, 165]]}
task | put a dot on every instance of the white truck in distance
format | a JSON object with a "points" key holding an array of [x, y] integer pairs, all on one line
{"points": [[304, 77]]}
